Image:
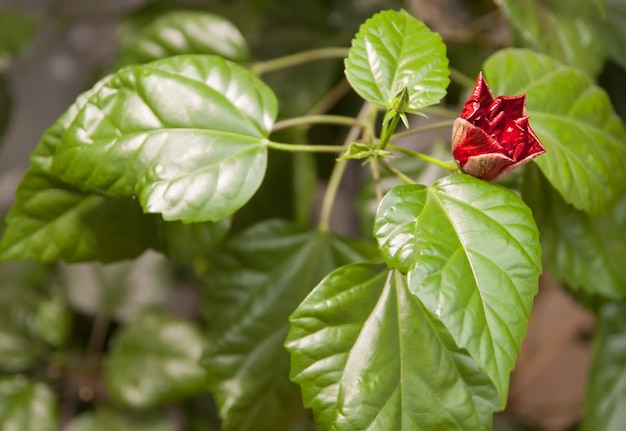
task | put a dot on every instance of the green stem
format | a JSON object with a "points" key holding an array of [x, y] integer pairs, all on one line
{"points": [[461, 79], [387, 131], [337, 173], [396, 172], [300, 148], [319, 119], [376, 177], [297, 59], [424, 157], [432, 126]]}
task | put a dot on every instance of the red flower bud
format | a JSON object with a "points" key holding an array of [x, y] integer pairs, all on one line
{"points": [[493, 137]]}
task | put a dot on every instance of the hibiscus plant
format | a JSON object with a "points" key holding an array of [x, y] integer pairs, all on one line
{"points": [[410, 318]]}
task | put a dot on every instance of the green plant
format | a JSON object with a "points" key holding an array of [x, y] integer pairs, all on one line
{"points": [[416, 327]]}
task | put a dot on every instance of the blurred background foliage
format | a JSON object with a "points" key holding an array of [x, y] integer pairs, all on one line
{"points": [[70, 333]]}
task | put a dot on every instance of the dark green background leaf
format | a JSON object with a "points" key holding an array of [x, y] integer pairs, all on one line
{"points": [[258, 280], [393, 50], [17, 31], [368, 355], [564, 29], [471, 250], [585, 252], [154, 360], [584, 138], [185, 32], [605, 404], [26, 405]]}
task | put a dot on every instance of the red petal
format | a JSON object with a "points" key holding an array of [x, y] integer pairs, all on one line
{"points": [[469, 140], [477, 104]]}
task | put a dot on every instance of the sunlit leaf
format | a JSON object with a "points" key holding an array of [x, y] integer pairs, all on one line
{"points": [[393, 51], [258, 280], [471, 250], [368, 355], [186, 135], [584, 138]]}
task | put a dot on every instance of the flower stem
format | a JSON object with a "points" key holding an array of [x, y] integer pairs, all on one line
{"points": [[297, 148], [297, 59], [387, 130], [396, 172], [432, 126], [424, 157], [461, 79]]}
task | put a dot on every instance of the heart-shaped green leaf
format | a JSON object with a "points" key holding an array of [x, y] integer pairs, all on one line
{"points": [[155, 360], [605, 404], [471, 250], [585, 252], [186, 134], [393, 51], [563, 29], [26, 405], [259, 279], [584, 138], [368, 355], [185, 32]]}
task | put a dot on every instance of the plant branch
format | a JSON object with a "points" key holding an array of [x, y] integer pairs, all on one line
{"points": [[319, 119], [432, 126], [424, 157], [338, 170], [304, 148], [297, 59]]}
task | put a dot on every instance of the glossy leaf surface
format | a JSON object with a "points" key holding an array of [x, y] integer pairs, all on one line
{"points": [[368, 355], [154, 360], [393, 51], [605, 404], [472, 254], [186, 135], [563, 29], [186, 32], [259, 279], [584, 138], [26, 405]]}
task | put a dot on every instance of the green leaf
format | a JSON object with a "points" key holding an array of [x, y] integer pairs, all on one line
{"points": [[586, 253], [104, 419], [259, 279], [563, 29], [393, 51], [155, 360], [471, 250], [186, 32], [24, 285], [26, 405], [53, 321], [368, 355], [605, 404], [186, 135], [120, 291], [17, 31], [584, 138]]}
